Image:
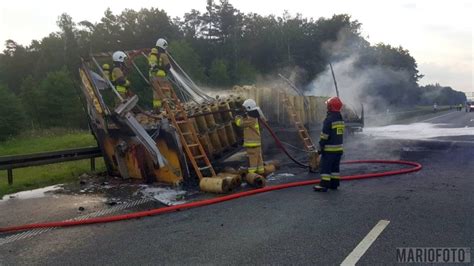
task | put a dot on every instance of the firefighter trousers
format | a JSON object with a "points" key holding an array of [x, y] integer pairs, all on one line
{"points": [[254, 155], [156, 101], [329, 169]]}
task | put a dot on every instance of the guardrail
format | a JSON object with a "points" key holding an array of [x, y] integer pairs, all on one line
{"points": [[35, 159]]}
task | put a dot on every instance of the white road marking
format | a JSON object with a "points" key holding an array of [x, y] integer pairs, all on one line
{"points": [[429, 119], [365, 244]]}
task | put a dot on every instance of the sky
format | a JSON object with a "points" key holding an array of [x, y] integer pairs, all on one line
{"points": [[438, 33]]}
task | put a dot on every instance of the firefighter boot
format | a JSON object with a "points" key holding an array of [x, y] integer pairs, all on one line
{"points": [[334, 183]]}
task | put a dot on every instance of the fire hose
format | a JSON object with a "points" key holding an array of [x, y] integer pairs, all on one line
{"points": [[415, 167], [280, 145]]}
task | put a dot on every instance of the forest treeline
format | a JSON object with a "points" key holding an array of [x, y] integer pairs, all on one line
{"points": [[219, 47]]}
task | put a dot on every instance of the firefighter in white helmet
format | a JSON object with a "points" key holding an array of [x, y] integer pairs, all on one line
{"points": [[118, 78], [159, 67], [252, 138]]}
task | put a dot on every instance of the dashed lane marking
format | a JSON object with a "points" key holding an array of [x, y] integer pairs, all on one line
{"points": [[39, 231], [365, 244]]}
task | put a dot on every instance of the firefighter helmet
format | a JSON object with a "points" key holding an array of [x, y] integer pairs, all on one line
{"points": [[249, 105], [154, 51], [119, 56], [162, 43], [334, 104], [105, 67]]}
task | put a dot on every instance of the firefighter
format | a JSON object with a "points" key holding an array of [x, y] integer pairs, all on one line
{"points": [[330, 144], [252, 139], [106, 71], [158, 61], [159, 67], [118, 78]]}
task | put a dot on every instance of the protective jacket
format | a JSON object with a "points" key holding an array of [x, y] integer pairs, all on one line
{"points": [[331, 137], [119, 80], [159, 64], [251, 131]]}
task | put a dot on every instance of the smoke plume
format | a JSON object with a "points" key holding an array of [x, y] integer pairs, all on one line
{"points": [[358, 83]]}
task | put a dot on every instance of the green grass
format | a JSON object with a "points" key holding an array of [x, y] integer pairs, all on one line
{"points": [[51, 140], [40, 176]]}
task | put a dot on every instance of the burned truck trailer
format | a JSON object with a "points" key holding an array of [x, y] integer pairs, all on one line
{"points": [[174, 145], [127, 144]]}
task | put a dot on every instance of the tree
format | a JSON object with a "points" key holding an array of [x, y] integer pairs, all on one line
{"points": [[14, 63], [29, 95], [261, 42], [435, 93], [192, 25], [398, 59], [49, 56], [58, 102], [12, 118], [245, 72], [70, 49], [218, 73], [188, 59]]}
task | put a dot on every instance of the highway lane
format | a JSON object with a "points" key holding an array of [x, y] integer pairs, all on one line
{"points": [[297, 226]]}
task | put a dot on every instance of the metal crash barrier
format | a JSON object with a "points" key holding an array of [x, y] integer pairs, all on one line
{"points": [[35, 159]]}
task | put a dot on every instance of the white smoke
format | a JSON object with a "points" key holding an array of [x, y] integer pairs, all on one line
{"points": [[357, 85]]}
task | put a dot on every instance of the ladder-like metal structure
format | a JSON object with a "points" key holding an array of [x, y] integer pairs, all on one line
{"points": [[295, 119], [184, 127]]}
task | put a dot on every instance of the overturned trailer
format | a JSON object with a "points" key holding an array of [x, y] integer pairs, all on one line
{"points": [[190, 136], [173, 146]]}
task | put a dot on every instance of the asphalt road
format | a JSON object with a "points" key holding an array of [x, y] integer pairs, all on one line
{"points": [[430, 208]]}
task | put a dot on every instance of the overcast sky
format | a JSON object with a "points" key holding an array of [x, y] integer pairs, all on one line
{"points": [[438, 33]]}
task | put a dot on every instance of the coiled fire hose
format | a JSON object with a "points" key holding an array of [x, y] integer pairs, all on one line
{"points": [[415, 167]]}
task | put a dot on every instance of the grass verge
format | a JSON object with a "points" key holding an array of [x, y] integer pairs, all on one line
{"points": [[46, 175], [47, 140], [40, 176]]}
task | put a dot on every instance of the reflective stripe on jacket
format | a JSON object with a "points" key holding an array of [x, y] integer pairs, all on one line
{"points": [[156, 103], [251, 131], [121, 89]]}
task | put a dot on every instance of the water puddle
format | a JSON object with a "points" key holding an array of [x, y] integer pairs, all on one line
{"points": [[32, 194], [273, 176]]}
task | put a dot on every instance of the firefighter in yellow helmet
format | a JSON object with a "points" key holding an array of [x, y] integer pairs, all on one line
{"points": [[118, 78], [159, 67], [252, 138]]}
